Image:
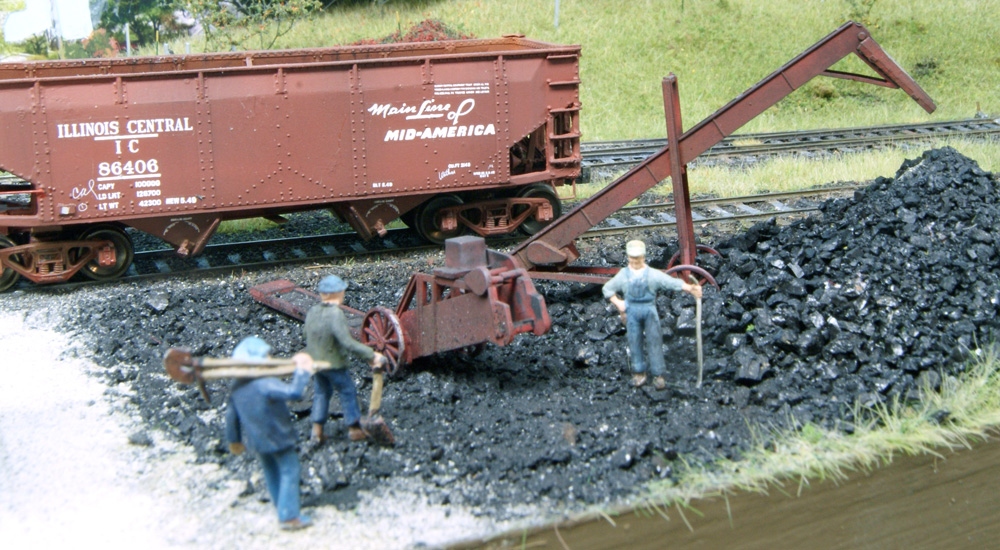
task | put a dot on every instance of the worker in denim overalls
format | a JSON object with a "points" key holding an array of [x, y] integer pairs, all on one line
{"points": [[639, 284]]}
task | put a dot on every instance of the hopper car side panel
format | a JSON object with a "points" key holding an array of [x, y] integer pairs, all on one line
{"points": [[439, 129], [173, 145]]}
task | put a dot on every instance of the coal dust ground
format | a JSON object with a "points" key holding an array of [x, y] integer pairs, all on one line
{"points": [[860, 304]]}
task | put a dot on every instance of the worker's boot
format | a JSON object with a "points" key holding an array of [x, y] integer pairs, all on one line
{"points": [[317, 434], [639, 379], [659, 383]]}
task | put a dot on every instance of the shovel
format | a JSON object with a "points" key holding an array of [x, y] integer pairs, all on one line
{"points": [[697, 334], [185, 368], [374, 425]]}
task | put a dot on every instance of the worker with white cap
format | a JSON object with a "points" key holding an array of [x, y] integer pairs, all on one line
{"points": [[638, 285]]}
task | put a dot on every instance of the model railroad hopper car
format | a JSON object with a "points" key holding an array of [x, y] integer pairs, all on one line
{"points": [[467, 135]]}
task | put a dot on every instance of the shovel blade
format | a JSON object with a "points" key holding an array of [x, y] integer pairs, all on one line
{"points": [[378, 431], [178, 364]]}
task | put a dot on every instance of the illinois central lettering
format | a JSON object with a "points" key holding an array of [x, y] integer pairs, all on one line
{"points": [[110, 129]]}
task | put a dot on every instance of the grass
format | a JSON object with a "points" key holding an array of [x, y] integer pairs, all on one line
{"points": [[717, 49], [791, 173], [812, 453]]}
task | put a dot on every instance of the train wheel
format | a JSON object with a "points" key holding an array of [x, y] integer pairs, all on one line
{"points": [[538, 191], [381, 331], [123, 252], [428, 220], [8, 277]]}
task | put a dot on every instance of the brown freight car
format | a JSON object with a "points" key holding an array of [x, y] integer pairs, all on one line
{"points": [[449, 136]]}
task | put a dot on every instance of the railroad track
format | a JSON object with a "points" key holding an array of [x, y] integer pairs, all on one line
{"points": [[219, 259], [615, 155]]}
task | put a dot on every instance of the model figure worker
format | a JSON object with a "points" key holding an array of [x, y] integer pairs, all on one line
{"points": [[327, 339], [257, 413], [638, 284]]}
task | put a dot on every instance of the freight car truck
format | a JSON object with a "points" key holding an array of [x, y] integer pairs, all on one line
{"points": [[456, 136]]}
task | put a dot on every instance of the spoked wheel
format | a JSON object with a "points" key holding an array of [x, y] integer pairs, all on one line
{"points": [[381, 330], [701, 276], [8, 276], [537, 191], [687, 272], [428, 219], [123, 252]]}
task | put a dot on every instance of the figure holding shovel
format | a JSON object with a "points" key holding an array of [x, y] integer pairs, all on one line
{"points": [[258, 415], [327, 339], [638, 284]]}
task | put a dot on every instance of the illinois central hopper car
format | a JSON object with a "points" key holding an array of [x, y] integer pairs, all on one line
{"points": [[449, 136]]}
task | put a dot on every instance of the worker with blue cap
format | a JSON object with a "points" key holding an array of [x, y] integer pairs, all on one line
{"points": [[327, 339], [256, 412], [637, 284]]}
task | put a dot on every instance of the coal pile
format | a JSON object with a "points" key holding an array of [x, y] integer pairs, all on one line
{"points": [[863, 303], [885, 291]]}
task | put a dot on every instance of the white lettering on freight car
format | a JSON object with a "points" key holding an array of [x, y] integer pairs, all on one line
{"points": [[387, 109], [78, 193], [158, 125], [185, 221], [427, 110], [445, 174], [430, 109], [170, 201], [410, 134], [462, 89], [87, 129], [463, 109], [386, 202], [110, 129]]}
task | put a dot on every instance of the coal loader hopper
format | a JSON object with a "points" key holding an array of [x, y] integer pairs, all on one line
{"points": [[453, 137]]}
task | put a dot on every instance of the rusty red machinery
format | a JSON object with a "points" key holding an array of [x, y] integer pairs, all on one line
{"points": [[551, 251], [455, 136], [479, 296]]}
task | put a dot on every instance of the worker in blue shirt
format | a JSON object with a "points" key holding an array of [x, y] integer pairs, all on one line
{"points": [[638, 285], [257, 413]]}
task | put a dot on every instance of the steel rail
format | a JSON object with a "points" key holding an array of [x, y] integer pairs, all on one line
{"points": [[598, 155], [347, 244], [591, 146]]}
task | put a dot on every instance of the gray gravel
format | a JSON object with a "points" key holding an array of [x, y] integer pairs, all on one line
{"points": [[79, 467]]}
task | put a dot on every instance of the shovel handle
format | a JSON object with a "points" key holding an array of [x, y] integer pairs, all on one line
{"points": [[225, 362], [376, 402], [219, 373]]}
